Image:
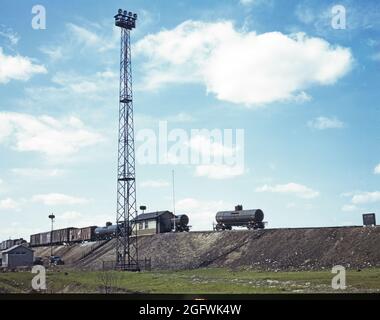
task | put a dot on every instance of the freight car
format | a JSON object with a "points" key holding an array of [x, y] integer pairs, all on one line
{"points": [[57, 237], [181, 223], [82, 234], [251, 219], [6, 244]]}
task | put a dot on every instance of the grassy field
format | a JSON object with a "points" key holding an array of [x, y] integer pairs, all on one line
{"points": [[200, 281]]}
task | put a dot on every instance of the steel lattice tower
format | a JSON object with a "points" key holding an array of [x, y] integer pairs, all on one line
{"points": [[126, 234]]}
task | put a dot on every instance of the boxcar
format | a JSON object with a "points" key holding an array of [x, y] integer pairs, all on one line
{"points": [[75, 235], [45, 238], [35, 240], [61, 236], [88, 233]]}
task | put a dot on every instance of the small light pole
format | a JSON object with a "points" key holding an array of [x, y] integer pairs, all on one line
{"points": [[174, 219], [142, 208], [51, 217]]}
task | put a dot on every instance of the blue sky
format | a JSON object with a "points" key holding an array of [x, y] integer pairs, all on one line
{"points": [[306, 96]]}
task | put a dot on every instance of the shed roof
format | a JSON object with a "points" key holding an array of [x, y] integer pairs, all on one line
{"points": [[151, 215], [15, 247]]}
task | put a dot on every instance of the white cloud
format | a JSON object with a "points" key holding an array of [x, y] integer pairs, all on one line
{"points": [[218, 171], [255, 2], [247, 2], [241, 67], [76, 83], [350, 208], [305, 15], [206, 147], [54, 53], [154, 184], [366, 197], [37, 172], [17, 68], [83, 92], [377, 169], [50, 136], [201, 213], [9, 204], [298, 190], [8, 33], [323, 123], [52, 199], [98, 39]]}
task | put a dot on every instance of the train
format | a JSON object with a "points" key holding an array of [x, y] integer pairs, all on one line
{"points": [[73, 235], [63, 236], [251, 219], [6, 244], [225, 220]]}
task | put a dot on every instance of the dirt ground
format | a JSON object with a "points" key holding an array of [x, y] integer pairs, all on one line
{"points": [[270, 249]]}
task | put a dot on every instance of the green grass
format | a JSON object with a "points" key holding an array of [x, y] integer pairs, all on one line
{"points": [[200, 281]]}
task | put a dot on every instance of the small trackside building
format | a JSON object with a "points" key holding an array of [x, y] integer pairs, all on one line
{"points": [[154, 222], [17, 256]]}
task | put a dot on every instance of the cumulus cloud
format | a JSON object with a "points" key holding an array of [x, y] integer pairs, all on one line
{"points": [[377, 169], [218, 171], [37, 172], [52, 199], [366, 197], [323, 123], [298, 190], [17, 68], [9, 204], [154, 184], [47, 135], [360, 198], [241, 67]]}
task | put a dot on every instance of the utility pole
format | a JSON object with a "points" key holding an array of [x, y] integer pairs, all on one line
{"points": [[126, 228], [51, 217]]}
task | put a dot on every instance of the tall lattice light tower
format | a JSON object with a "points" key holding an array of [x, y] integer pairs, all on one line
{"points": [[126, 235]]}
